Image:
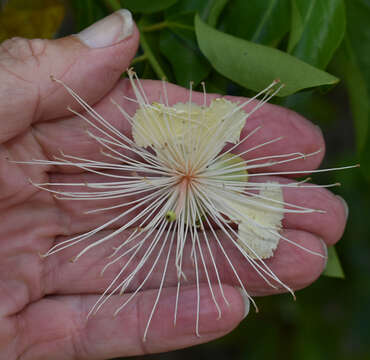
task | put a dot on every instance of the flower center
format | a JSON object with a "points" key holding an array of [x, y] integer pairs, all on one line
{"points": [[183, 190], [187, 178]]}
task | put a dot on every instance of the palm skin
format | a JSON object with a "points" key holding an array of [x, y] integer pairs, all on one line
{"points": [[44, 301]]}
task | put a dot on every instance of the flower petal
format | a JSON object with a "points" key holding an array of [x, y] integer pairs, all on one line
{"points": [[259, 224], [222, 113], [228, 168], [158, 124]]}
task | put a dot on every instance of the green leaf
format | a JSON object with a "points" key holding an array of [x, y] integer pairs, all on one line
{"points": [[357, 48], [147, 6], [255, 66], [180, 47], [208, 10], [333, 266], [297, 27], [262, 21], [318, 28], [87, 12], [358, 91], [358, 14], [215, 11]]}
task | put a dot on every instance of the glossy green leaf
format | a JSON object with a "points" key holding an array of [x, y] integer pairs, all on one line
{"points": [[255, 66], [147, 6], [261, 21], [333, 267], [180, 47], [318, 28], [208, 10]]}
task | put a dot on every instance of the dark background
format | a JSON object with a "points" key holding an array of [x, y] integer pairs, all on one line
{"points": [[330, 319]]}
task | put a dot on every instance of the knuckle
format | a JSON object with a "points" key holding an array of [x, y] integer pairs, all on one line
{"points": [[22, 50], [20, 63]]}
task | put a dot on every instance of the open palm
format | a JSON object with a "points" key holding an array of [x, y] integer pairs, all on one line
{"points": [[44, 301]]}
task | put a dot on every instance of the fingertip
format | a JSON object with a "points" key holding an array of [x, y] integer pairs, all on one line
{"points": [[310, 260], [90, 70], [246, 302], [325, 252], [344, 205], [298, 261], [108, 31]]}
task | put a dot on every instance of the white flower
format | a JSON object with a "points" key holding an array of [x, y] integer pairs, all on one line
{"points": [[185, 185]]}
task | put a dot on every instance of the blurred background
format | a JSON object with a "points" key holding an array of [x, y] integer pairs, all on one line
{"points": [[331, 318]]}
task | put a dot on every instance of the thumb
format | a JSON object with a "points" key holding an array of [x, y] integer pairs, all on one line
{"points": [[89, 62]]}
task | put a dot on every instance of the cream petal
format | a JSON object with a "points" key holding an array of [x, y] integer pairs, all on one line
{"points": [[257, 244], [222, 114], [257, 225], [158, 124], [229, 167]]}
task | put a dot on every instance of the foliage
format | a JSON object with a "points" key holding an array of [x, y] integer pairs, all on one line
{"points": [[239, 47], [253, 65]]}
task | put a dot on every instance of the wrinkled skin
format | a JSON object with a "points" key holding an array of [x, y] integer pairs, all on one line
{"points": [[44, 301]]}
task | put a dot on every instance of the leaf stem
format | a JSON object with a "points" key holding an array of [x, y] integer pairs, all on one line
{"points": [[155, 27], [138, 59], [151, 58], [164, 25]]}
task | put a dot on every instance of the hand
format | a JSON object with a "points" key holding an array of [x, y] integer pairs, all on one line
{"points": [[44, 302]]}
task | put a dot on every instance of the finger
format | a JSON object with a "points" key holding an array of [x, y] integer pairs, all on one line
{"points": [[297, 134], [91, 62], [295, 264], [327, 222], [26, 230], [57, 327]]}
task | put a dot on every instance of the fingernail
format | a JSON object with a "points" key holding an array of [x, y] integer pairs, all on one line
{"points": [[345, 205], [109, 30], [324, 246], [245, 300]]}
